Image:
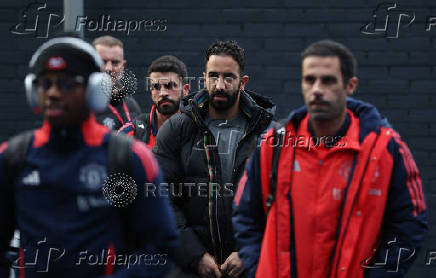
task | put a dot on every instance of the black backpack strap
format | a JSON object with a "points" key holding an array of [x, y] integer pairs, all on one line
{"points": [[15, 154], [120, 154], [278, 136]]}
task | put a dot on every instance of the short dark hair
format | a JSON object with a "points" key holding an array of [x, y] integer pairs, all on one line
{"points": [[169, 63], [230, 48], [325, 48]]}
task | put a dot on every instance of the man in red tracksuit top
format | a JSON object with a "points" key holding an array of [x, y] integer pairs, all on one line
{"points": [[348, 201]]}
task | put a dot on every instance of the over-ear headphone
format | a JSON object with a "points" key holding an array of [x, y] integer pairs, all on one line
{"points": [[99, 85]]}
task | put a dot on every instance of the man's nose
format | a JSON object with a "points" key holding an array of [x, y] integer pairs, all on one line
{"points": [[53, 91], [220, 84], [108, 66], [317, 88], [163, 91]]}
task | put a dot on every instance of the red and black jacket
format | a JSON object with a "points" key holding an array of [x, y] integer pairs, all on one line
{"points": [[387, 213]]}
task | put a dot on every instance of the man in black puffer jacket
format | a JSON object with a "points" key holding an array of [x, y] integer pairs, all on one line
{"points": [[202, 152]]}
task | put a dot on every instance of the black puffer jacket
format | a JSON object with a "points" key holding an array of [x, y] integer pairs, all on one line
{"points": [[187, 153]]}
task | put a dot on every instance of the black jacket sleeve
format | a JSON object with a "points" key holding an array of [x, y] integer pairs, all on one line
{"points": [[168, 153]]}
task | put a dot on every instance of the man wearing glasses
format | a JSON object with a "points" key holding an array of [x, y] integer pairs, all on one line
{"points": [[122, 107], [167, 77], [202, 152], [52, 180]]}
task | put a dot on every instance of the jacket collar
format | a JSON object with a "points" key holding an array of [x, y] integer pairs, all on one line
{"points": [[89, 132], [259, 110], [370, 119]]}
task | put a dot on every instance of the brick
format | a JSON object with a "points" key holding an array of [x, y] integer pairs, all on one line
{"points": [[410, 43], [422, 86], [409, 101], [283, 44], [338, 15], [263, 4], [250, 45], [388, 86], [423, 115], [433, 130], [278, 58], [368, 43], [195, 44], [281, 72], [221, 30], [261, 15], [423, 143], [264, 30], [373, 72], [411, 72], [348, 30], [305, 30], [293, 87], [386, 58], [413, 129]]}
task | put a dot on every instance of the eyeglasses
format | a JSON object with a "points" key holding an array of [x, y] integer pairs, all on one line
{"points": [[64, 84], [169, 86], [227, 80]]}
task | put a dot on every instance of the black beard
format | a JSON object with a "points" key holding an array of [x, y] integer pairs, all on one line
{"points": [[168, 109], [224, 105]]}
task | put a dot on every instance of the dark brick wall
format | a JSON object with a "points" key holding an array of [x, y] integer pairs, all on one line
{"points": [[396, 74]]}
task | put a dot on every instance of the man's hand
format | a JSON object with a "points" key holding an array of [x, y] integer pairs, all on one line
{"points": [[207, 268], [232, 266]]}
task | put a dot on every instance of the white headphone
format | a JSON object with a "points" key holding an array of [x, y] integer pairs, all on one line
{"points": [[98, 88]]}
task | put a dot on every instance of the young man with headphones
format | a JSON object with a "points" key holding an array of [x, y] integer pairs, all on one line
{"points": [[73, 189]]}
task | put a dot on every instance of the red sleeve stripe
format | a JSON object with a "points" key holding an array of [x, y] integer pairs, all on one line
{"points": [[109, 270], [241, 186], [413, 178], [3, 147], [148, 161], [127, 128], [21, 263]]}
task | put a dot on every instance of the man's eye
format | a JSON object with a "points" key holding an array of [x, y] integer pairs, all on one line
{"points": [[115, 63], [309, 79], [329, 80]]}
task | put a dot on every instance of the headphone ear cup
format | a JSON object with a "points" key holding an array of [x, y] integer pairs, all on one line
{"points": [[98, 91], [31, 90]]}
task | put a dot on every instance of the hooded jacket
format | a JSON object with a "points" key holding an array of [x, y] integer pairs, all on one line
{"points": [[188, 156], [382, 221]]}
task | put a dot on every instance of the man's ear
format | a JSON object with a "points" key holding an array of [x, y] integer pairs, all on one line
{"points": [[352, 85], [204, 80], [244, 80], [185, 91], [124, 63]]}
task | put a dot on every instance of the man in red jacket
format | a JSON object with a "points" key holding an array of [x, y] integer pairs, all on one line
{"points": [[334, 192]]}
